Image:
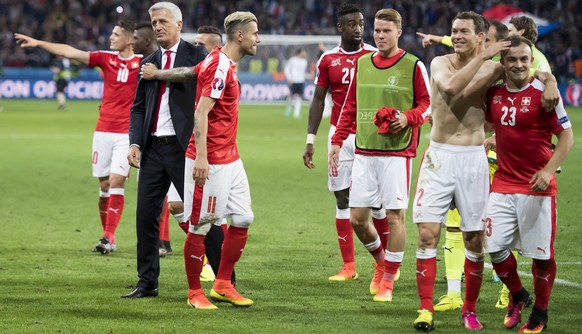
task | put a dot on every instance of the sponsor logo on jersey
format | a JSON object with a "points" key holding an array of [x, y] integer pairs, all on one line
{"points": [[511, 100], [218, 84]]}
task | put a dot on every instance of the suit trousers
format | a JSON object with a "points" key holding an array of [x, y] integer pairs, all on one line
{"points": [[163, 164]]}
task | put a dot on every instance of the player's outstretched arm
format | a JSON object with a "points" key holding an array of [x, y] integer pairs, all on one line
{"points": [[541, 179], [315, 115], [149, 71], [62, 50], [429, 39]]}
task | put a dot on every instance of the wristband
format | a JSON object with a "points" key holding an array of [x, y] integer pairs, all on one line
{"points": [[310, 138], [447, 40]]}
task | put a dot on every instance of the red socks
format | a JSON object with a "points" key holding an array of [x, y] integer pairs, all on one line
{"points": [[234, 242], [194, 259]]}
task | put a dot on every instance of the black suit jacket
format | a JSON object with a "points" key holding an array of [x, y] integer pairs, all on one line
{"points": [[181, 101]]}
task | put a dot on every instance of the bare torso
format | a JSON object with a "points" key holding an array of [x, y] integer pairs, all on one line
{"points": [[459, 119]]}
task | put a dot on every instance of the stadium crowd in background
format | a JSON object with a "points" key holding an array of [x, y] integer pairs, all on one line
{"points": [[86, 24]]}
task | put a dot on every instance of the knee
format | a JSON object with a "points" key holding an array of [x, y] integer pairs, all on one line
{"points": [[474, 241], [175, 207], [342, 200], [104, 184], [498, 257], [242, 221], [200, 229]]}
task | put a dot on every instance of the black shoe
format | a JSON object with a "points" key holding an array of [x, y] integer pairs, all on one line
{"points": [[140, 292]]}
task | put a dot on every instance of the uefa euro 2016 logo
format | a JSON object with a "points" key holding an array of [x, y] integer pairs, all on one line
{"points": [[392, 80], [218, 84]]}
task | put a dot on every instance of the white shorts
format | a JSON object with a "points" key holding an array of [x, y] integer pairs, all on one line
{"points": [[110, 154], [380, 181], [521, 222], [452, 176], [346, 161], [225, 193], [173, 195]]}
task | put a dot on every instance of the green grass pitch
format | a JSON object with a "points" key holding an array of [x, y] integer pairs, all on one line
{"points": [[50, 282]]}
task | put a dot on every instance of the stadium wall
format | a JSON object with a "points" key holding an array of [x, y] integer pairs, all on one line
{"points": [[18, 83]]}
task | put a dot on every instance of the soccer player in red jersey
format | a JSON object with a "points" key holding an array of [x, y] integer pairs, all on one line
{"points": [[394, 79], [219, 184], [335, 71], [521, 211], [110, 141]]}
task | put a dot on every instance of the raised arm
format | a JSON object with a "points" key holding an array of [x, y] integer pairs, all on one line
{"points": [[429, 39], [459, 81], [62, 50], [203, 108], [149, 71]]}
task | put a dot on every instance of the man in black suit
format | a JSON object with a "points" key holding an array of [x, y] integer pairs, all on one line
{"points": [[162, 119]]}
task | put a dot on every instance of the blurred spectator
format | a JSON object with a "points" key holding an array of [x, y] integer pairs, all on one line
{"points": [[87, 23]]}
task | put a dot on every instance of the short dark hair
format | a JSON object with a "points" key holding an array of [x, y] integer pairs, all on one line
{"points": [[127, 25], [529, 26], [143, 25], [210, 30], [501, 31], [516, 41], [347, 8], [480, 23]]}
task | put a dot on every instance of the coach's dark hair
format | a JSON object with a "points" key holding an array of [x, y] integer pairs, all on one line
{"points": [[501, 31], [127, 25], [516, 41], [210, 30], [347, 8], [480, 23], [529, 27]]}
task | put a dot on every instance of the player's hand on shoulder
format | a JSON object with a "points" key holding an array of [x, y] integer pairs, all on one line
{"points": [[495, 48], [550, 97], [308, 156], [148, 71]]}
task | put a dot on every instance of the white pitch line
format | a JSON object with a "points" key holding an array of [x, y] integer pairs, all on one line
{"points": [[557, 280], [558, 263]]}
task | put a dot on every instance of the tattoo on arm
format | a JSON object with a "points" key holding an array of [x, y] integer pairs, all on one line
{"points": [[178, 74]]}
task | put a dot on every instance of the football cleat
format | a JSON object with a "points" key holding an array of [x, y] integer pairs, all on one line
{"points": [[503, 300], [384, 292], [103, 247], [424, 321], [471, 322], [197, 300], [448, 303], [533, 326], [347, 273], [513, 316], [224, 291], [378, 275], [207, 275]]}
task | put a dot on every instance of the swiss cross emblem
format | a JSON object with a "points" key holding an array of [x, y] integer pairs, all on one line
{"points": [[525, 101], [336, 62], [134, 65], [497, 99]]}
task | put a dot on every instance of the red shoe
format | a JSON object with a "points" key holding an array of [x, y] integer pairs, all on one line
{"points": [[378, 275], [347, 273]]}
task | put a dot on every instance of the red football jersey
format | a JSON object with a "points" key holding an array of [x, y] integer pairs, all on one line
{"points": [[335, 70], [119, 84], [217, 79], [523, 131]]}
